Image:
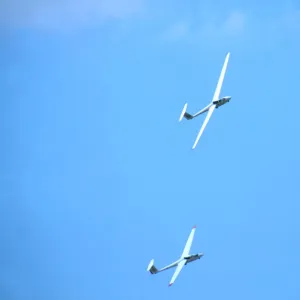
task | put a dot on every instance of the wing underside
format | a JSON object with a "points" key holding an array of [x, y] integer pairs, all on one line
{"points": [[177, 271], [210, 111], [221, 79], [189, 242]]}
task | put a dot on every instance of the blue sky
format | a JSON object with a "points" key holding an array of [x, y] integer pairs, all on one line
{"points": [[98, 177]]}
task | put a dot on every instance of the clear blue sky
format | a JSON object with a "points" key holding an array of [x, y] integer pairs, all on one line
{"points": [[97, 175]]}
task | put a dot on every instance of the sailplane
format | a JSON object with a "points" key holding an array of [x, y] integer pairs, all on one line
{"points": [[185, 258], [215, 103]]}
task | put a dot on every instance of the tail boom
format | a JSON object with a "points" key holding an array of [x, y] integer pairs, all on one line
{"points": [[188, 116]]}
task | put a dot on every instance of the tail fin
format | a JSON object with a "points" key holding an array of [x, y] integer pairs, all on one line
{"points": [[188, 116], [151, 268], [185, 114]]}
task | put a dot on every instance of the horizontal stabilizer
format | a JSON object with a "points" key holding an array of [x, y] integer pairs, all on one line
{"points": [[185, 114], [151, 268]]}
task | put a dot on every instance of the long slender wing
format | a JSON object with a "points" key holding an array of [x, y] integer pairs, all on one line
{"points": [[177, 271], [186, 250], [210, 111], [221, 78], [216, 97]]}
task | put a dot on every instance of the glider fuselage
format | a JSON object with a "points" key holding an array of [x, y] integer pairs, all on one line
{"points": [[193, 257], [222, 101]]}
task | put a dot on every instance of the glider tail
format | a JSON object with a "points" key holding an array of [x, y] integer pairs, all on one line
{"points": [[151, 268], [185, 114]]}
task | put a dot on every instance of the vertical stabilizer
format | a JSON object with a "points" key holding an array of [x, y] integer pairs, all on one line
{"points": [[151, 268]]}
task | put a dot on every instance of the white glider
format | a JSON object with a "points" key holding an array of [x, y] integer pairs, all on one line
{"points": [[215, 103], [181, 262]]}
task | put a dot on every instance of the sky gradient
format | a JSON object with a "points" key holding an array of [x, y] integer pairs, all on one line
{"points": [[98, 177]]}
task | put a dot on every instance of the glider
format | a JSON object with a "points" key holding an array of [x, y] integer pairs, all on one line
{"points": [[185, 258], [215, 103]]}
